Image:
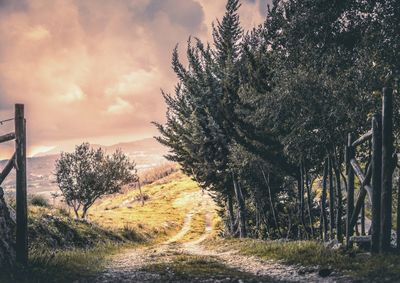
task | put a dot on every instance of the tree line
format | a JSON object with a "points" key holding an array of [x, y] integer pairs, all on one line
{"points": [[260, 118]]}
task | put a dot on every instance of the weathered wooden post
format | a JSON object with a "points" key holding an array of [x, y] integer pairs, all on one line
{"points": [[376, 181], [350, 154], [20, 164], [398, 216], [387, 168], [363, 219]]}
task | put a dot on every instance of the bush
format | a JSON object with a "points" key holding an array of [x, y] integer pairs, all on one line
{"points": [[99, 174], [38, 200], [131, 234]]}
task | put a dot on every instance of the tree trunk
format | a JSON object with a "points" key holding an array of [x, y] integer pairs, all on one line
{"points": [[7, 241], [76, 212], [302, 214], [84, 212], [231, 215], [339, 211], [257, 217], [241, 209], [350, 189], [331, 200], [271, 203], [289, 224], [324, 219], [320, 226], [309, 202]]}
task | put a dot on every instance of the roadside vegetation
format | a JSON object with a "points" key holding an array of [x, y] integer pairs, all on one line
{"points": [[266, 120], [63, 248], [314, 256], [168, 202]]}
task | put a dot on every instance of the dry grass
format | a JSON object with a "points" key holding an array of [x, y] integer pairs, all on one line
{"points": [[117, 221], [197, 227], [378, 268], [156, 173], [162, 214]]}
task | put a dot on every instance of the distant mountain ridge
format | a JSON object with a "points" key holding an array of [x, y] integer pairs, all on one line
{"points": [[146, 153], [127, 147]]}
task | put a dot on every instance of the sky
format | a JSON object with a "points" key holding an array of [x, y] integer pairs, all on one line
{"points": [[92, 70]]}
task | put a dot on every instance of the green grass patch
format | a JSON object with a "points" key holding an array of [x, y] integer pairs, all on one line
{"points": [[64, 249], [312, 253], [69, 265]]}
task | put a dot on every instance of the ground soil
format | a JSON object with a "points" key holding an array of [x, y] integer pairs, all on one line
{"points": [[177, 260]]}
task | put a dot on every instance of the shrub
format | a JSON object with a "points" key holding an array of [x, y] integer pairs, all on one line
{"points": [[131, 234], [39, 200], [88, 174]]}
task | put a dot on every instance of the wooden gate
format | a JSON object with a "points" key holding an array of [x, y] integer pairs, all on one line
{"points": [[18, 161], [376, 181]]}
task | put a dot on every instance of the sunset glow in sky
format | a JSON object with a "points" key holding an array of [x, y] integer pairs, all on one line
{"points": [[92, 70]]}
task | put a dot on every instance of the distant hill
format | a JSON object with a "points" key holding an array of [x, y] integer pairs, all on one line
{"points": [[148, 144], [146, 153]]}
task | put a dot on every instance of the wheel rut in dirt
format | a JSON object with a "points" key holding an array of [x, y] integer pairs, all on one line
{"points": [[181, 260]]}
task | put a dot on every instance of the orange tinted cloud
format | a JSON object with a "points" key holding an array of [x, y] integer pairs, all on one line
{"points": [[92, 70]]}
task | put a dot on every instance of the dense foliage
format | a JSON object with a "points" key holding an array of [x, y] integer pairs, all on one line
{"points": [[88, 174], [259, 117]]}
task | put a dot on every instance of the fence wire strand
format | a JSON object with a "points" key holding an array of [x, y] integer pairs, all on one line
{"points": [[6, 120]]}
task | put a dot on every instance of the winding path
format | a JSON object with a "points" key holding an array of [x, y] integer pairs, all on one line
{"points": [[133, 265]]}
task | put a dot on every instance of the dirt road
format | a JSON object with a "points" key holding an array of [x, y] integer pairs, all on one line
{"points": [[179, 260]]}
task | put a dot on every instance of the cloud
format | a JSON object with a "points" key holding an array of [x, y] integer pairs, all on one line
{"points": [[93, 69], [72, 94], [37, 33], [119, 107], [140, 81]]}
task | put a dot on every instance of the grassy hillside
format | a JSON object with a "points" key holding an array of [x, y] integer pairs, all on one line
{"points": [[63, 249], [166, 203]]}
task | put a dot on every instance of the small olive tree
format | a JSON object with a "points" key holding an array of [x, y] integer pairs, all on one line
{"points": [[88, 174]]}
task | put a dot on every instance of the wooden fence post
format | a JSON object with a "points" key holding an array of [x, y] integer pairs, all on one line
{"points": [[398, 216], [350, 154], [21, 198], [387, 168], [376, 181]]}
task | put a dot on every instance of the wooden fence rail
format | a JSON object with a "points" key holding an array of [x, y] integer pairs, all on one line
{"points": [[376, 182], [18, 161]]}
